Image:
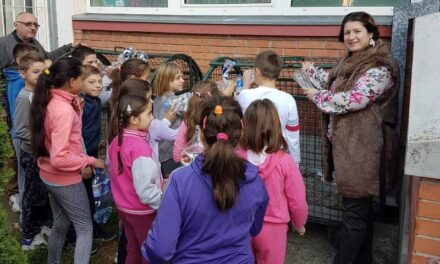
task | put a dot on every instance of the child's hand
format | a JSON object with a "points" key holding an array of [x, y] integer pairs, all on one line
{"points": [[300, 230], [171, 114], [99, 163], [248, 78], [229, 90], [86, 173]]}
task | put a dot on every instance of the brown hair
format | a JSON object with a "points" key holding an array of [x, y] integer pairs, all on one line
{"points": [[220, 159], [130, 67], [269, 64], [165, 74], [22, 48], [136, 87], [27, 60], [367, 21], [90, 70], [137, 105], [201, 91], [262, 128]]}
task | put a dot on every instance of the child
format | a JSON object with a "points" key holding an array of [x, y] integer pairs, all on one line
{"points": [[14, 84], [57, 144], [211, 208], [265, 147], [168, 81], [135, 175], [267, 70], [86, 55], [201, 91], [35, 203], [91, 133]]}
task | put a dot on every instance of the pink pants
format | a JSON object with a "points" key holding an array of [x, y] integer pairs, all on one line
{"points": [[270, 244], [136, 228]]}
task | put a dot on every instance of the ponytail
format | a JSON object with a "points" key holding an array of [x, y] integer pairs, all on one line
{"points": [[222, 130], [55, 77]]}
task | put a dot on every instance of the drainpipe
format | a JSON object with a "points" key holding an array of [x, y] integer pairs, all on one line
{"points": [[53, 25]]}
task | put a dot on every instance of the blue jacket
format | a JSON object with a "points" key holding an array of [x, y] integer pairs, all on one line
{"points": [[14, 84], [91, 124], [189, 227]]}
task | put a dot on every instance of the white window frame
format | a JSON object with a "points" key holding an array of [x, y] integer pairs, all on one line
{"points": [[276, 8]]}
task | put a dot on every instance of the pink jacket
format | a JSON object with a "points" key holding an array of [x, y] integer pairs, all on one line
{"points": [[62, 127], [180, 142], [286, 189]]}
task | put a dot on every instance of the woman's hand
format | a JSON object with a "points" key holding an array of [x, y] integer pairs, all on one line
{"points": [[306, 64], [300, 230], [310, 92]]}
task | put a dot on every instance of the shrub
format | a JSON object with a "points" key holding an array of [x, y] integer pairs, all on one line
{"points": [[10, 250]]}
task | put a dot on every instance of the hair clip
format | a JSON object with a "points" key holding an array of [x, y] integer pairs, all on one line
{"points": [[46, 71], [218, 110], [222, 136], [198, 94], [129, 109]]}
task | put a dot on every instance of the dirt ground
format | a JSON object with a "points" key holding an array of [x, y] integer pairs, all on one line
{"points": [[313, 248]]}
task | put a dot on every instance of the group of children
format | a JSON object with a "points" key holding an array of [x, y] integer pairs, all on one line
{"points": [[232, 204]]}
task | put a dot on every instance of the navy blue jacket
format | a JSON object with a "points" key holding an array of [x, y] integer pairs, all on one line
{"points": [[91, 124]]}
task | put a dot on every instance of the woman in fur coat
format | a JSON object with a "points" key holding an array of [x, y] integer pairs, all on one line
{"points": [[358, 99]]}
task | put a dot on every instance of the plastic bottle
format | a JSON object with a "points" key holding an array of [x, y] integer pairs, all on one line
{"points": [[239, 84], [103, 197], [192, 148]]}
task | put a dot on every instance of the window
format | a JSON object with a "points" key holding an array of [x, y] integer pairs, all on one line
{"points": [[241, 7]]}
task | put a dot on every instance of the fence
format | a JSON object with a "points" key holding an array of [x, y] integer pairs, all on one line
{"points": [[322, 197]]}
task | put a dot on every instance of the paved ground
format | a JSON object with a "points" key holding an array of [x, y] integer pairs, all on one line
{"points": [[314, 248]]}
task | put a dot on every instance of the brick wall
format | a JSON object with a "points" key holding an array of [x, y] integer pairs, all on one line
{"points": [[204, 48], [426, 229]]}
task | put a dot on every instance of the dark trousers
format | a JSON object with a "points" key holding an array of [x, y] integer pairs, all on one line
{"points": [[355, 237], [35, 205]]}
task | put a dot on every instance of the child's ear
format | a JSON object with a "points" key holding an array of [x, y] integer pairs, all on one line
{"points": [[133, 120], [22, 73]]}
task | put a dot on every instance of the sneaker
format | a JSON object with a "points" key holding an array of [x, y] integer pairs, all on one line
{"points": [[45, 231], [13, 202], [31, 244], [103, 236], [115, 260]]}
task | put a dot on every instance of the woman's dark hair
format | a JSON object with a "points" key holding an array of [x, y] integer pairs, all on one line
{"points": [[60, 72], [221, 161], [136, 67], [135, 87], [262, 128], [137, 104], [201, 91], [367, 21]]}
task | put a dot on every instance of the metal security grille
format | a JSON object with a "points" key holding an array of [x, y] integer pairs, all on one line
{"points": [[322, 197]]}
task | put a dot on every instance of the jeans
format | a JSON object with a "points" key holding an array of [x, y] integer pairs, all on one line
{"points": [[20, 172], [70, 205]]}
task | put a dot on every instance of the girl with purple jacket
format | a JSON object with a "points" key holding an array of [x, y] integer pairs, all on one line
{"points": [[211, 208]]}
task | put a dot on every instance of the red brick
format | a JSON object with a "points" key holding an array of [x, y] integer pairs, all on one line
{"points": [[430, 190], [284, 44], [429, 209], [334, 45], [296, 52], [418, 259], [311, 44], [245, 51], [428, 227], [95, 37], [427, 246], [259, 43], [324, 53]]}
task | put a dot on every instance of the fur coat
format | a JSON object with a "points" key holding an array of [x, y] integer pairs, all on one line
{"points": [[364, 142]]}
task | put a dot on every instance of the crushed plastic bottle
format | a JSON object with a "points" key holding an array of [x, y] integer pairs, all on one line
{"points": [[192, 148], [103, 197], [239, 84], [228, 65]]}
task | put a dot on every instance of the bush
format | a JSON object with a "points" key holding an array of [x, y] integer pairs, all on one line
{"points": [[10, 250]]}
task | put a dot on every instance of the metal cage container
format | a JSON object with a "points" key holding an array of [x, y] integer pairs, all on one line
{"points": [[322, 197]]}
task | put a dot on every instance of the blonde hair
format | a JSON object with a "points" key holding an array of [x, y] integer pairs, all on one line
{"points": [[165, 74], [90, 70]]}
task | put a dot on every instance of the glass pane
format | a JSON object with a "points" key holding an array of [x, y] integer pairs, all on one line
{"points": [[319, 3], [223, 2], [130, 3]]}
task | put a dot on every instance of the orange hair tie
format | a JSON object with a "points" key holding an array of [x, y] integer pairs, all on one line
{"points": [[218, 110]]}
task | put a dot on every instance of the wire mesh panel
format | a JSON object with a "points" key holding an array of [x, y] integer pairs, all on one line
{"points": [[322, 197]]}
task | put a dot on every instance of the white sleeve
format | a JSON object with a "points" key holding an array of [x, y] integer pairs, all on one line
{"points": [[146, 181], [244, 100], [291, 132]]}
